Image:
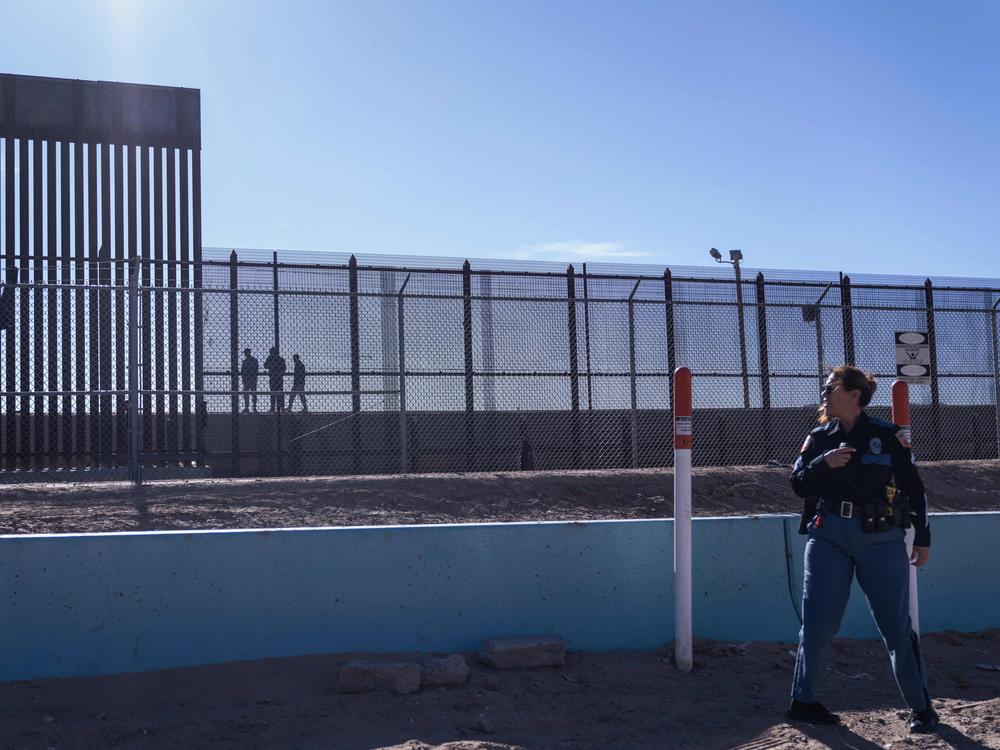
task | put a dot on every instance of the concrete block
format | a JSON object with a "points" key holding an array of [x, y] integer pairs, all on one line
{"points": [[524, 652], [451, 670], [369, 676]]}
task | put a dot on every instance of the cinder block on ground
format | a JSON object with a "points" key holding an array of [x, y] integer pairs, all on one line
{"points": [[369, 676], [451, 670], [524, 652]]}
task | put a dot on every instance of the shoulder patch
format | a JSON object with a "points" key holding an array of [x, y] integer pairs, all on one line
{"points": [[904, 440]]}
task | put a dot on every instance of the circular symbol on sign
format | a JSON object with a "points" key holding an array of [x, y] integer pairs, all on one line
{"points": [[912, 338], [913, 371], [875, 445]]}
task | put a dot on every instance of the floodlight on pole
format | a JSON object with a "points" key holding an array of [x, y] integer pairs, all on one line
{"points": [[735, 256], [814, 314]]}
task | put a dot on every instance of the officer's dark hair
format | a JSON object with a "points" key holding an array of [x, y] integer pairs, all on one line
{"points": [[852, 379]]}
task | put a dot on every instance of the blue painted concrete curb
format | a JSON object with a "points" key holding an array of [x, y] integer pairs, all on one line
{"points": [[92, 604]]}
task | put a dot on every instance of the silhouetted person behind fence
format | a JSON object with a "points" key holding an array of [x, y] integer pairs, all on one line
{"points": [[298, 383], [248, 372], [276, 368], [202, 413]]}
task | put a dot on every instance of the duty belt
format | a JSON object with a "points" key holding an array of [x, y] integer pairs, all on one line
{"points": [[842, 508], [874, 515]]}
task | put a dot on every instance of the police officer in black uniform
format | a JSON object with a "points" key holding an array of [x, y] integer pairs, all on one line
{"points": [[862, 490]]}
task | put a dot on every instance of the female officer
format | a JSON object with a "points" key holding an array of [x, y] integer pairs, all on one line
{"points": [[868, 491]]}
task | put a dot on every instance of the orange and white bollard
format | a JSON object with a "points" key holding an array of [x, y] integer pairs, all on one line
{"points": [[683, 646], [901, 416]]}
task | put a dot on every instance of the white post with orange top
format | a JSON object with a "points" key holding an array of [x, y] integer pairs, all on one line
{"points": [[683, 645], [901, 416]]}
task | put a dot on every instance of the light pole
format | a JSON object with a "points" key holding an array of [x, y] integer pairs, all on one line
{"points": [[735, 256], [814, 313]]}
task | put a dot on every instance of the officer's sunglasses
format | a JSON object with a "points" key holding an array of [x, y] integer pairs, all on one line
{"points": [[828, 388]]}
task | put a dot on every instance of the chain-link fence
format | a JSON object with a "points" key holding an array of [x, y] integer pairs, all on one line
{"points": [[249, 366]]}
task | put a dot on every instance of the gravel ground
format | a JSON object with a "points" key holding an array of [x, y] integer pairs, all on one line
{"points": [[734, 698], [438, 498]]}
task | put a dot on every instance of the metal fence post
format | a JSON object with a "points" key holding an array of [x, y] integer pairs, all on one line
{"points": [[765, 369], [234, 362], [159, 303], [586, 337], [996, 372], [574, 367], [146, 252], [10, 459], [847, 316], [631, 371], [52, 420], [668, 312], [278, 407], [134, 465], [199, 349], [93, 303], [470, 404], [932, 344], [935, 451], [404, 453], [352, 270]]}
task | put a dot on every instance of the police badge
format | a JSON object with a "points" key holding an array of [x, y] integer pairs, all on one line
{"points": [[875, 446]]}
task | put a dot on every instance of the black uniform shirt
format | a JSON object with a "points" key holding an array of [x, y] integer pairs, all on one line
{"points": [[879, 457]]}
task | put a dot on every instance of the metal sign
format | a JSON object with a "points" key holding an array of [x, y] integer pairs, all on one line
{"points": [[913, 357]]}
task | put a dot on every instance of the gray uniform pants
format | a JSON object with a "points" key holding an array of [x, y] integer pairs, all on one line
{"points": [[834, 553]]}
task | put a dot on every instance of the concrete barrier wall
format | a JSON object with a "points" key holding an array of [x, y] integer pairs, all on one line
{"points": [[92, 604]]}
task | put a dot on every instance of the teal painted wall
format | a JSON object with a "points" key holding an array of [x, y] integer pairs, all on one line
{"points": [[104, 603]]}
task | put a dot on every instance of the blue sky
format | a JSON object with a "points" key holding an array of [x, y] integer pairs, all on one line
{"points": [[851, 136]]}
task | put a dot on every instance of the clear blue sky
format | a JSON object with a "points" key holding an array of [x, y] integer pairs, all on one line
{"points": [[853, 136]]}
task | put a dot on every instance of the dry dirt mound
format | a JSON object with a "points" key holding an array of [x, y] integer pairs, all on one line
{"points": [[734, 698], [439, 498]]}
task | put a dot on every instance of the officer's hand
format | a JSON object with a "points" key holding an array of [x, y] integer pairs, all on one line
{"points": [[919, 555], [838, 457]]}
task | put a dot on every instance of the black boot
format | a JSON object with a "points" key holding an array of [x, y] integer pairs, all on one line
{"points": [[922, 722], [811, 713]]}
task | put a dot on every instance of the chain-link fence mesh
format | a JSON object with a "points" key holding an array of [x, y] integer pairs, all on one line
{"points": [[62, 398], [258, 366]]}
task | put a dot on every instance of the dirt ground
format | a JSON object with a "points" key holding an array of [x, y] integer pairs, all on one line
{"points": [[633, 701], [734, 698], [439, 498]]}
